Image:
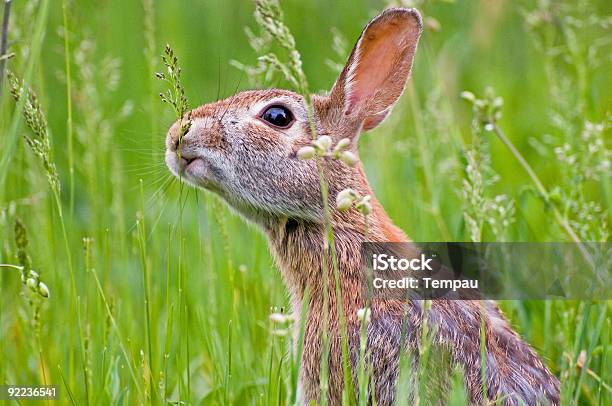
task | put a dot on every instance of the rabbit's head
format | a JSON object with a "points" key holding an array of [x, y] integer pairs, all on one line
{"points": [[245, 147]]}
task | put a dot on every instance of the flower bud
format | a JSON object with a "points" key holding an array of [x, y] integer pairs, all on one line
{"points": [[365, 208], [323, 143], [31, 283], [344, 204], [342, 144], [345, 199], [348, 158], [432, 24], [306, 153], [469, 96], [347, 194], [364, 205], [43, 290]]}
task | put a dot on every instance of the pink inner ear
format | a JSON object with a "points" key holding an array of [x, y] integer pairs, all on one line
{"points": [[378, 53], [374, 120]]}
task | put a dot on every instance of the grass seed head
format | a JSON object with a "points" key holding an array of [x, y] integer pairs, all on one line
{"points": [[36, 121], [175, 94], [21, 242], [269, 16]]}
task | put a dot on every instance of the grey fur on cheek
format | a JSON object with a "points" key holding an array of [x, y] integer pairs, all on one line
{"points": [[267, 182]]}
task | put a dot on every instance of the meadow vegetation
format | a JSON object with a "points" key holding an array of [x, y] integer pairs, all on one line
{"points": [[123, 286]]}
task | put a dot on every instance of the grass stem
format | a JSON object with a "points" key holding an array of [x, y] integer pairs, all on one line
{"points": [[69, 129], [118, 332], [142, 239], [540, 187], [4, 41]]}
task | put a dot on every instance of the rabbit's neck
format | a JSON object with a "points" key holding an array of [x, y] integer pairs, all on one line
{"points": [[298, 249]]}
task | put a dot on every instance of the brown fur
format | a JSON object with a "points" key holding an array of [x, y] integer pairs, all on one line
{"points": [[254, 167]]}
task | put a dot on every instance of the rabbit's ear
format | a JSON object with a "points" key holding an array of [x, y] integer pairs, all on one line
{"points": [[378, 68]]}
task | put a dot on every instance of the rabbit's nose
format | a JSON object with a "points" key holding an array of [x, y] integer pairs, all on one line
{"points": [[173, 138]]}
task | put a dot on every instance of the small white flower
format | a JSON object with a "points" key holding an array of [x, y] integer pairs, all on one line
{"points": [[364, 314], [278, 318]]}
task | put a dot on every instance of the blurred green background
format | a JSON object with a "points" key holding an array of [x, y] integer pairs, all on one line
{"points": [[208, 340]]}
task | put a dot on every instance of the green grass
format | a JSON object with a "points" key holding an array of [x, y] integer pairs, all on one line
{"points": [[159, 293]]}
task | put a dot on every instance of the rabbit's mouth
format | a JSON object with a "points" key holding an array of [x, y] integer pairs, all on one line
{"points": [[192, 169], [190, 165], [196, 170]]}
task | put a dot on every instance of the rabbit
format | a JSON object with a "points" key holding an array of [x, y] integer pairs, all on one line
{"points": [[244, 148]]}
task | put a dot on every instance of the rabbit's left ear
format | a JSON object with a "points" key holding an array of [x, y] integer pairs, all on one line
{"points": [[379, 66]]}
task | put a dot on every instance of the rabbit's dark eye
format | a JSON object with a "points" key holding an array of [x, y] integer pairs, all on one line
{"points": [[278, 116]]}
